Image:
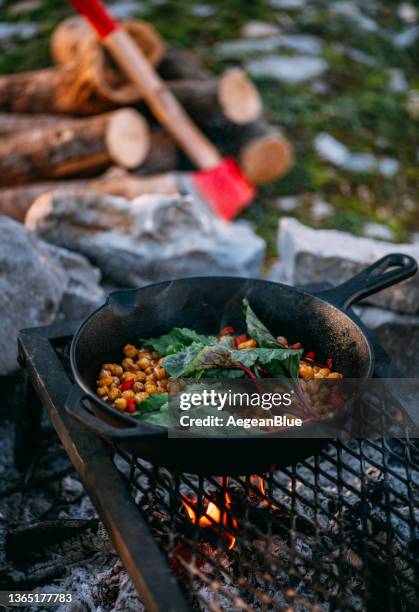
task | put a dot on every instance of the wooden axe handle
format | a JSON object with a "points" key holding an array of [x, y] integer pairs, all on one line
{"points": [[159, 98]]}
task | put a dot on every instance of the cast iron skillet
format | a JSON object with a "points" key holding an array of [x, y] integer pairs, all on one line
{"points": [[320, 322]]}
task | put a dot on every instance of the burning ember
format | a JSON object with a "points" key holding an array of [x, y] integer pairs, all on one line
{"points": [[217, 513]]}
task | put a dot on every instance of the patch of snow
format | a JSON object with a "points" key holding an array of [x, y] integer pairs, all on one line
{"points": [[288, 69], [126, 9], [388, 166], [330, 149]]}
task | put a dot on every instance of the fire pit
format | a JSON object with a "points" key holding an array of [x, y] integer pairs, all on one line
{"points": [[338, 531]]}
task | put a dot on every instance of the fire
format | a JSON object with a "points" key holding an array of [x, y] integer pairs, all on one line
{"points": [[213, 516]]}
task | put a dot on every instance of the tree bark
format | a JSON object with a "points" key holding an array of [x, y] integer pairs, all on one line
{"points": [[16, 201], [78, 147], [50, 90], [232, 97], [263, 152], [12, 123]]}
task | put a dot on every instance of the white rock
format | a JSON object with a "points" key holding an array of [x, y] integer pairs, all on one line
{"points": [[378, 231], [320, 209], [288, 69], [300, 43], [406, 38], [335, 152], [203, 10], [309, 256], [330, 149], [31, 287], [147, 239], [286, 5], [398, 82], [407, 12], [289, 203], [259, 29], [17, 30], [351, 10]]}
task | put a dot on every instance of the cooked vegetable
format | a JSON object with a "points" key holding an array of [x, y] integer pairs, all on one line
{"points": [[140, 384]]}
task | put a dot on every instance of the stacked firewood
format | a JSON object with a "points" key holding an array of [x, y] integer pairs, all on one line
{"points": [[63, 126]]}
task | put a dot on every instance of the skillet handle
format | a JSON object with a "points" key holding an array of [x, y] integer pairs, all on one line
{"points": [[385, 272], [74, 406]]}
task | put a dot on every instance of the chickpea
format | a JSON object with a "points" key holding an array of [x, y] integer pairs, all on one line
{"points": [[140, 397], [104, 373], [162, 383], [120, 404], [115, 380], [128, 364], [130, 351], [140, 376], [114, 394], [102, 391], [137, 387], [128, 394], [160, 373], [129, 376], [144, 363], [150, 378], [108, 366], [282, 340], [306, 371], [150, 388], [335, 375], [107, 380], [322, 373], [149, 370], [118, 370]]}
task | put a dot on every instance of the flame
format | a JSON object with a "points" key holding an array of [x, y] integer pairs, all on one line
{"points": [[212, 517]]}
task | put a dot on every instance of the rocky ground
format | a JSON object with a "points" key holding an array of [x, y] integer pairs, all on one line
{"points": [[338, 77]]}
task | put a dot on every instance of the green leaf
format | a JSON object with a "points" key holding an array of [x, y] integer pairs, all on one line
{"points": [[256, 329], [176, 340], [154, 409]]}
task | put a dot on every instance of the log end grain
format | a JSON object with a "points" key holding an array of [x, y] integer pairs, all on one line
{"points": [[127, 138], [66, 38], [238, 97], [266, 159]]}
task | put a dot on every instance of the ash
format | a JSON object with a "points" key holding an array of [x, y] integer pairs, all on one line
{"points": [[82, 560]]}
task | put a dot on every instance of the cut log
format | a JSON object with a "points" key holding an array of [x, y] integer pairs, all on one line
{"points": [[233, 97], [182, 64], [50, 90], [75, 41], [16, 201], [263, 152], [12, 123], [163, 155], [81, 146]]}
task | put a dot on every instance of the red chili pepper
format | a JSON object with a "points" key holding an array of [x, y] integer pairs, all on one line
{"points": [[239, 339], [311, 355], [227, 330], [131, 405], [127, 384], [329, 363], [297, 346]]}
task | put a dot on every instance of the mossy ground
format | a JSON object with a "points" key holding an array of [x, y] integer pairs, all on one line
{"points": [[359, 108]]}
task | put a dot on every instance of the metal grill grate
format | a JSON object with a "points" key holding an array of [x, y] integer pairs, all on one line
{"points": [[339, 531]]}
